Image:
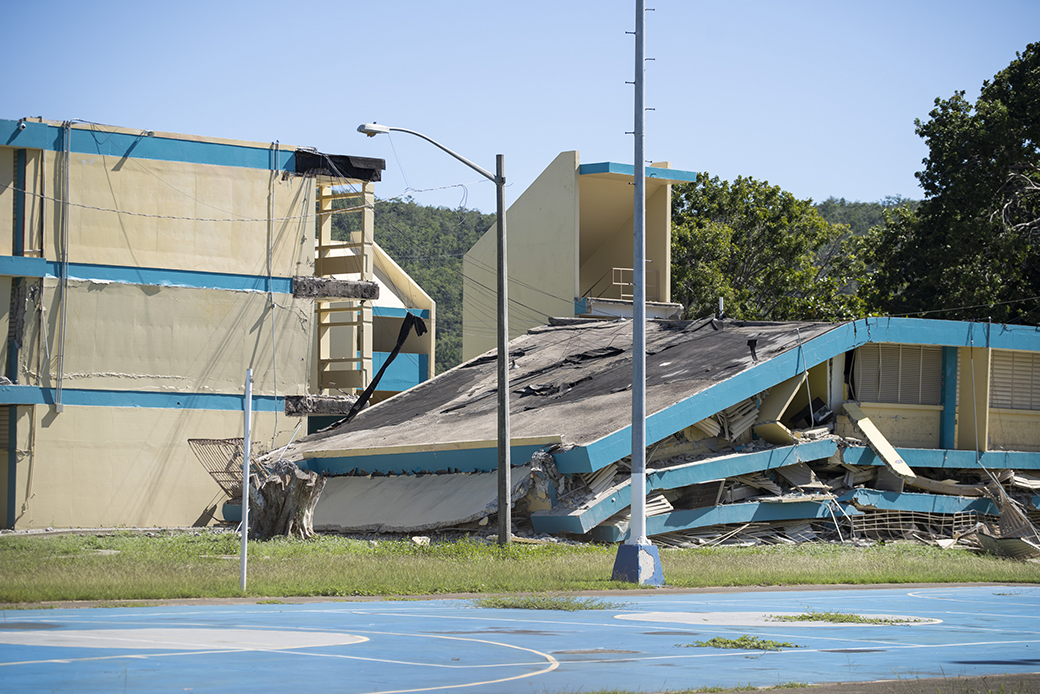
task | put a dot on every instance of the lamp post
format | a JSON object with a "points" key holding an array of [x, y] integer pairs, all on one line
{"points": [[505, 520]]}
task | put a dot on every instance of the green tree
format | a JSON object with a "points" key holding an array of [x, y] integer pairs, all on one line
{"points": [[970, 250], [768, 255]]}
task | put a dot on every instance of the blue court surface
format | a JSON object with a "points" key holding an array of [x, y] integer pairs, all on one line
{"points": [[449, 645]]}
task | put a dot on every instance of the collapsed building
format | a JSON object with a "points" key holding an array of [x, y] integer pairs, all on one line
{"points": [[877, 428]]}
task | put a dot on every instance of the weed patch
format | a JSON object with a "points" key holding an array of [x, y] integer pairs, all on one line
{"points": [[838, 618], [547, 602], [744, 643]]}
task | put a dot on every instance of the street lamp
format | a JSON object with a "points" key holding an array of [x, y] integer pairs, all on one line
{"points": [[505, 520]]}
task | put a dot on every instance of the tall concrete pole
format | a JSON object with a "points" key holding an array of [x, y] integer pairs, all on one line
{"points": [[638, 561], [637, 526]]}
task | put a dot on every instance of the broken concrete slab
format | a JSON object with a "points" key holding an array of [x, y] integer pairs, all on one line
{"points": [[305, 405], [310, 287], [411, 503], [878, 443]]}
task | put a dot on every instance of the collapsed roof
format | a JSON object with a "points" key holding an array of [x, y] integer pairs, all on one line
{"points": [[751, 422]]}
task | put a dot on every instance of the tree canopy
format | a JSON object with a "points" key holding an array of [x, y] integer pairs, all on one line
{"points": [[768, 255], [970, 250]]}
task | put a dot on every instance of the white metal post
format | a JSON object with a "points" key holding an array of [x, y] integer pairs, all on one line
{"points": [[505, 510], [245, 472]]}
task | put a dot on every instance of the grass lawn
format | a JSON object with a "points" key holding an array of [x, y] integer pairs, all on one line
{"points": [[132, 566]]}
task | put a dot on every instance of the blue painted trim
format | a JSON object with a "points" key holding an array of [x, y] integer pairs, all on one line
{"points": [[723, 515], [78, 397], [582, 520], [948, 418], [20, 266], [86, 141], [12, 464], [406, 371], [466, 460], [948, 459], [581, 306], [394, 312], [921, 503], [16, 266], [610, 167]]}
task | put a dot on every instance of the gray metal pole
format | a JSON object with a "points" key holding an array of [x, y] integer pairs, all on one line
{"points": [[505, 511], [637, 526], [246, 434]]}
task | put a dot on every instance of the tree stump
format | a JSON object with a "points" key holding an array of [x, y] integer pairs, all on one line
{"points": [[283, 504]]}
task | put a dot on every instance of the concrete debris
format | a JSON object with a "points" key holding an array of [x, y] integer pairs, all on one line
{"points": [[304, 405], [311, 287]]}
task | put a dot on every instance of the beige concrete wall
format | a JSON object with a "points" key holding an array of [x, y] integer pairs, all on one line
{"points": [[7, 196], [132, 337], [606, 233], [659, 239], [972, 398], [99, 466], [1014, 430], [906, 426], [167, 205], [542, 232]]}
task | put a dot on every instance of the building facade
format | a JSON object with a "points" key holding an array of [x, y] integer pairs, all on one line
{"points": [[142, 274]]}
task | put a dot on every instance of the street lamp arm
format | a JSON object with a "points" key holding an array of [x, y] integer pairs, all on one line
{"points": [[373, 129]]}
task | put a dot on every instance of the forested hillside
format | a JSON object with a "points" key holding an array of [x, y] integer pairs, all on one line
{"points": [[861, 216]]}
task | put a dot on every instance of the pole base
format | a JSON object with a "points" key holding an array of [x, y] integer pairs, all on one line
{"points": [[638, 564]]}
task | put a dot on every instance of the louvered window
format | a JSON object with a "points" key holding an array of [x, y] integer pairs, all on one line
{"points": [[1014, 380], [904, 374]]}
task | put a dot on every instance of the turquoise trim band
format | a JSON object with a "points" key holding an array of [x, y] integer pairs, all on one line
{"points": [[78, 397], [394, 312], [919, 503], [948, 459], [609, 167], [20, 266], [723, 515], [142, 146]]}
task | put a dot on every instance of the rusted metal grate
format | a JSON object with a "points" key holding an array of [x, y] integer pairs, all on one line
{"points": [[222, 459]]}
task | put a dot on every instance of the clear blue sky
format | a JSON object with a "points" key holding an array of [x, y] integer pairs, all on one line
{"points": [[818, 97]]}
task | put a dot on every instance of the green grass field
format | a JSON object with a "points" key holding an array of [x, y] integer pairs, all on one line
{"points": [[132, 566]]}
